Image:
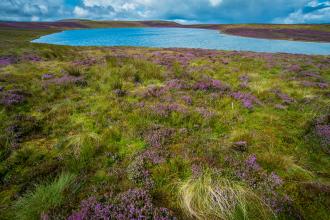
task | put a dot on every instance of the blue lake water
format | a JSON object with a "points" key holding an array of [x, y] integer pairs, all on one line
{"points": [[179, 38]]}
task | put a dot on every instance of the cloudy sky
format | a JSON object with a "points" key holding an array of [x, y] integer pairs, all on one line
{"points": [[185, 11]]}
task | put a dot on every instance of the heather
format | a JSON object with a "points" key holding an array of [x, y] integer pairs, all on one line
{"points": [[137, 133]]}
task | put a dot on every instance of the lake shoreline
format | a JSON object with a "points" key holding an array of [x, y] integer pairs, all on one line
{"points": [[308, 33]]}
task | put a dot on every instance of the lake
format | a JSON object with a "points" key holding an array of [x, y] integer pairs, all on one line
{"points": [[179, 38]]}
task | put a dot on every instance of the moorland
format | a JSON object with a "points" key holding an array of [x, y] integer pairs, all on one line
{"points": [[140, 133]]}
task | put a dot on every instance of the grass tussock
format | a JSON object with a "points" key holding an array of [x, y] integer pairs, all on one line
{"points": [[213, 197], [43, 198]]}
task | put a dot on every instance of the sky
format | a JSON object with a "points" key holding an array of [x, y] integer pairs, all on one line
{"points": [[184, 11]]}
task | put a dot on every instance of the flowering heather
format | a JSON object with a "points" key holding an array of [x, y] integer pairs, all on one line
{"points": [[91, 209], [7, 60], [31, 58], [134, 204], [321, 85], [322, 129], [153, 155], [294, 68], [244, 81], [21, 127], [310, 75], [12, 97], [47, 76], [154, 91], [284, 97], [187, 99], [164, 110], [139, 174], [86, 62], [67, 80], [177, 84], [211, 85], [247, 99], [267, 184], [158, 136], [251, 163]]}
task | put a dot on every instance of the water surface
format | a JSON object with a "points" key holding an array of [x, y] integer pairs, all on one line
{"points": [[179, 38]]}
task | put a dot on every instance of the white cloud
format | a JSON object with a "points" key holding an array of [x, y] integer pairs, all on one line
{"points": [[318, 12], [80, 12], [35, 18], [197, 11], [215, 3], [298, 17]]}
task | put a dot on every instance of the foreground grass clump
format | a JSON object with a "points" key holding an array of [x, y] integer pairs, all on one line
{"points": [[43, 198], [213, 197], [129, 124]]}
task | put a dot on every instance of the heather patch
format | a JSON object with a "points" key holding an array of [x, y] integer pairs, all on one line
{"points": [[86, 62], [31, 58], [247, 99], [133, 204], [7, 60], [164, 110], [66, 80], [211, 85], [47, 76], [244, 79], [286, 99], [158, 136], [177, 84], [322, 130], [22, 127], [12, 97], [154, 91], [268, 184], [321, 85]]}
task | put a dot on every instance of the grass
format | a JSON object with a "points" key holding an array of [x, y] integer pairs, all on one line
{"points": [[212, 197], [45, 197], [117, 119]]}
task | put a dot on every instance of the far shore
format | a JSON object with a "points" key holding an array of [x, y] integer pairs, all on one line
{"points": [[310, 32]]}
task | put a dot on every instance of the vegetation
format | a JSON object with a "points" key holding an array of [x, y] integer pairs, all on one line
{"points": [[123, 133], [44, 198]]}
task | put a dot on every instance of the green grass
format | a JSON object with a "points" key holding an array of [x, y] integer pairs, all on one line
{"points": [[44, 198]]}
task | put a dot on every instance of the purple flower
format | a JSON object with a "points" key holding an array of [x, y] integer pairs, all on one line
{"points": [[12, 97], [244, 81], [211, 84], [47, 76], [154, 91], [247, 99], [177, 84], [187, 99], [158, 136], [284, 97], [251, 163], [7, 60]]}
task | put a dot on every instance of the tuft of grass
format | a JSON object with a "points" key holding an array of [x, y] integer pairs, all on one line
{"points": [[73, 71], [43, 198], [213, 197]]}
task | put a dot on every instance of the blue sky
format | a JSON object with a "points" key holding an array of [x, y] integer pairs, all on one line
{"points": [[184, 11]]}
